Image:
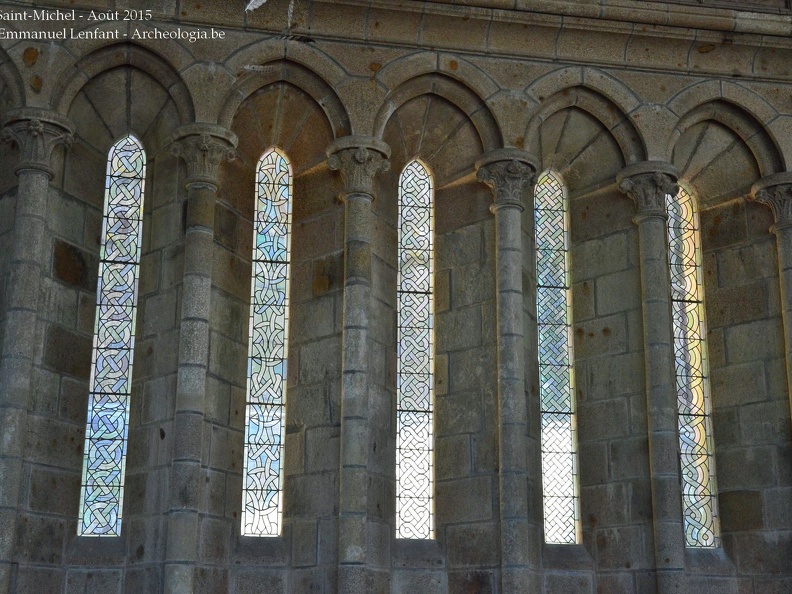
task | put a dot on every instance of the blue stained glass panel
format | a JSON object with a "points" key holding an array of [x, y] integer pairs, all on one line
{"points": [[262, 499], [102, 490]]}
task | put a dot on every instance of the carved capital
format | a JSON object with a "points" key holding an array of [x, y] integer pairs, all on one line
{"points": [[508, 172], [648, 184], [359, 159], [37, 133], [775, 191], [203, 147]]}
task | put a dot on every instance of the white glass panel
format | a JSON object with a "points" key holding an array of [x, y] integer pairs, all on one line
{"points": [[556, 386], [414, 442]]}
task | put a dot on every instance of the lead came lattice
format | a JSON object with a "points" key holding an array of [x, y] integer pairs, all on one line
{"points": [[262, 503], [559, 443], [699, 502], [414, 446], [104, 460]]}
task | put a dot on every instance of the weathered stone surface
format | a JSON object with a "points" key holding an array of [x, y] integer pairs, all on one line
{"points": [[67, 352], [741, 510], [590, 89]]}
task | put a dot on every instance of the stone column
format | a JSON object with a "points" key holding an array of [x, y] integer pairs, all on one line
{"points": [[203, 147], [358, 159], [36, 133], [648, 183], [509, 173], [776, 192]]}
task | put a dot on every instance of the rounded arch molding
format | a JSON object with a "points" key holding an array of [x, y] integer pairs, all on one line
{"points": [[557, 81], [610, 115], [11, 78], [397, 73], [704, 92], [756, 137], [113, 56], [456, 93], [302, 77]]}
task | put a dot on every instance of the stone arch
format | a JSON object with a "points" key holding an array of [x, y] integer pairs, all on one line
{"points": [[274, 49], [399, 72], [584, 136], [700, 93], [594, 79], [452, 91], [73, 79], [293, 73], [721, 149], [11, 85], [605, 111]]}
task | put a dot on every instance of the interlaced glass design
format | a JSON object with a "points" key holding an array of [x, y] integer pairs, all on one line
{"points": [[104, 461], [262, 505], [414, 379], [699, 501], [556, 380]]}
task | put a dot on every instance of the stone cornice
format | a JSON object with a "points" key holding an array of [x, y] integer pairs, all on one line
{"points": [[757, 20], [602, 15], [610, 33]]}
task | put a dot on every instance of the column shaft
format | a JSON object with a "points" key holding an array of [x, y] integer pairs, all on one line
{"points": [[355, 433], [647, 184], [784, 246], [508, 173], [203, 153], [358, 159], [36, 134], [775, 191]]}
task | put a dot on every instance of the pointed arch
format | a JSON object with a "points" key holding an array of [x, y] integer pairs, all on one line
{"points": [[104, 458], [75, 77], [604, 110], [262, 504], [744, 125], [296, 74], [11, 79], [696, 451], [452, 91], [415, 360], [560, 485]]}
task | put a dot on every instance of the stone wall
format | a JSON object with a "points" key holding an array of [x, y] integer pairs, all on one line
{"points": [[586, 97]]}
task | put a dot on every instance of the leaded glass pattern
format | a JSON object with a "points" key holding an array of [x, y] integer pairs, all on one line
{"points": [[262, 505], [414, 378], [104, 459], [699, 502], [556, 380]]}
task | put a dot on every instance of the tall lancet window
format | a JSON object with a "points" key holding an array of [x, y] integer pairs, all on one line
{"points": [[556, 379], [415, 375], [102, 492], [699, 501], [262, 505]]}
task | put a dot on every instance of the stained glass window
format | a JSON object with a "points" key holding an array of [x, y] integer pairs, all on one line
{"points": [[262, 505], [556, 380], [699, 501], [414, 383], [102, 492]]}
